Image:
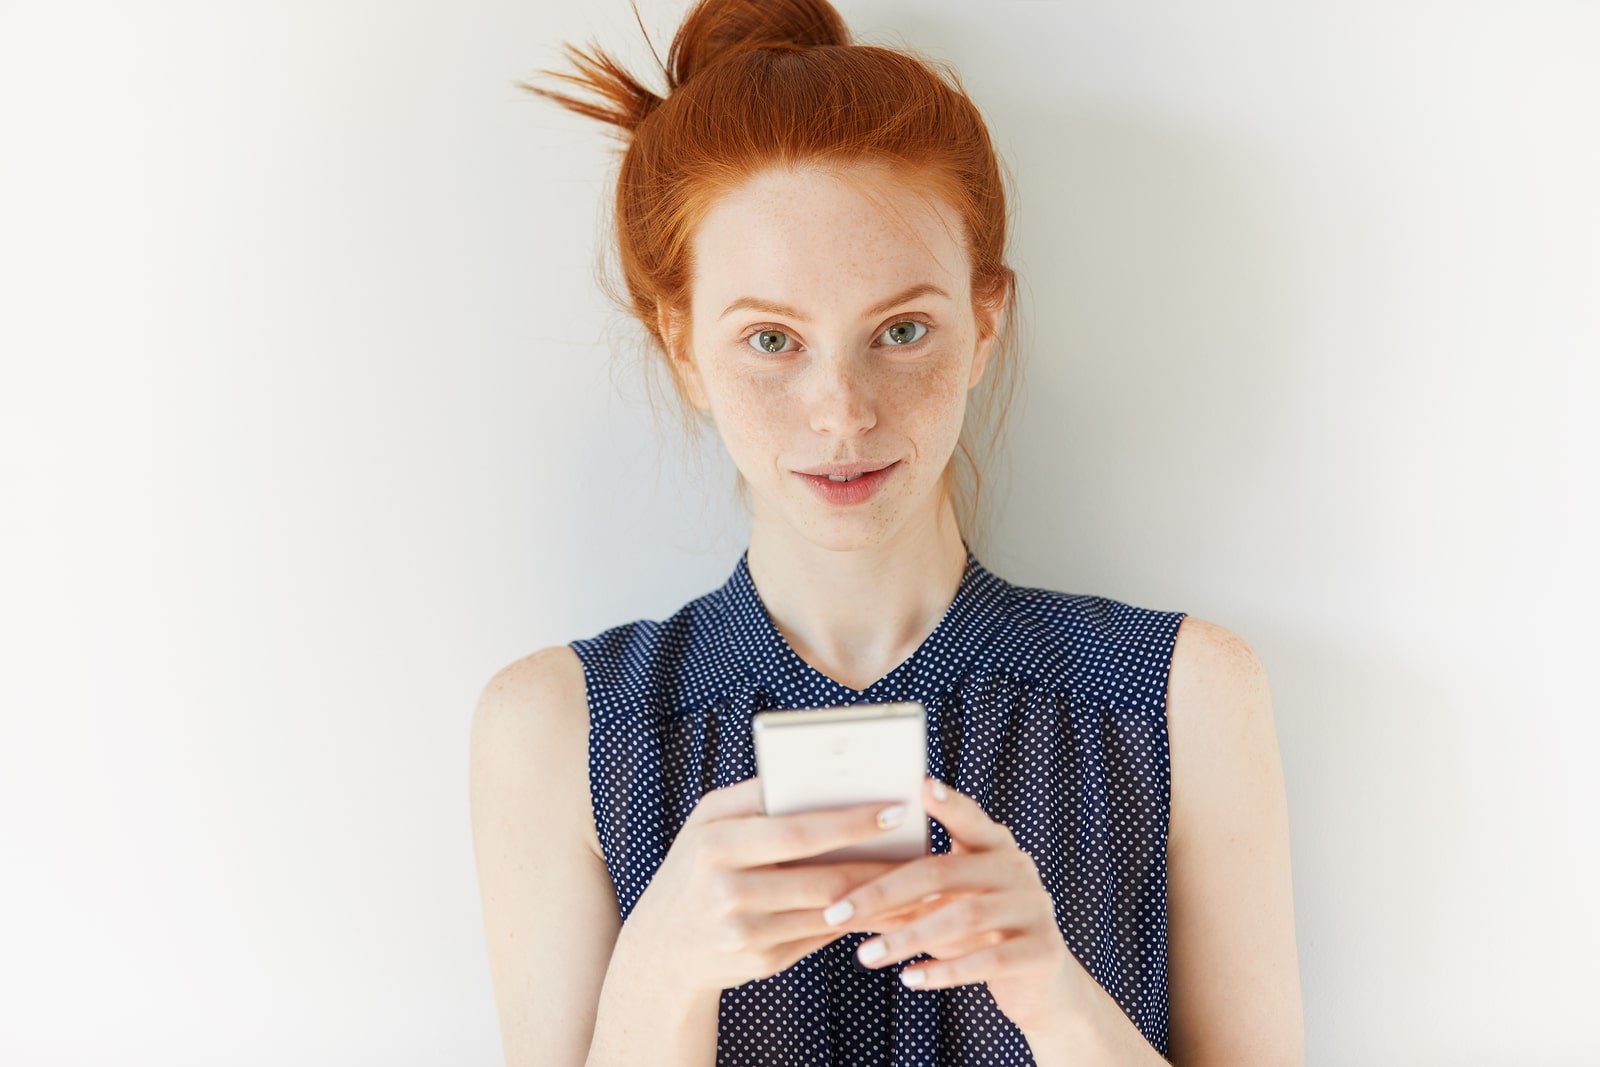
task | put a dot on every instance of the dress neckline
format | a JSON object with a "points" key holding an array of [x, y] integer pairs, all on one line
{"points": [[943, 656]]}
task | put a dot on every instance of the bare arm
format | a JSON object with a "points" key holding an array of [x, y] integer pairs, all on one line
{"points": [[1234, 973], [571, 985], [549, 909]]}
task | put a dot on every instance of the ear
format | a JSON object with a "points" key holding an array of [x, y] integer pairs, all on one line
{"points": [[988, 333], [684, 369]]}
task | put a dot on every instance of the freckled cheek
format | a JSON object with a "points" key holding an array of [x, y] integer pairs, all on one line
{"points": [[753, 414], [928, 397], [933, 416], [919, 401]]}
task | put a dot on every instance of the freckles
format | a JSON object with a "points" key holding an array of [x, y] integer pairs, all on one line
{"points": [[929, 391], [746, 395], [912, 381], [752, 414]]}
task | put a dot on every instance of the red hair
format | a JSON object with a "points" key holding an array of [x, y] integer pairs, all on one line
{"points": [[756, 84]]}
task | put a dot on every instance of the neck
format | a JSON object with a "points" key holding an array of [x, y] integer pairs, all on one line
{"points": [[856, 613]]}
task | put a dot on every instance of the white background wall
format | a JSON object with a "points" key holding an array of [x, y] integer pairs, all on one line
{"points": [[309, 422]]}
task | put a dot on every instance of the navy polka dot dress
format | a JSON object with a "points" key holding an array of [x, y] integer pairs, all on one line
{"points": [[1049, 708]]}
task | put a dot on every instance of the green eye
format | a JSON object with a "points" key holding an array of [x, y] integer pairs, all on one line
{"points": [[899, 333], [775, 342], [769, 341]]}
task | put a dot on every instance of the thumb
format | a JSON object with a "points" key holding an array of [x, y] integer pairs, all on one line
{"points": [[741, 798], [964, 818]]}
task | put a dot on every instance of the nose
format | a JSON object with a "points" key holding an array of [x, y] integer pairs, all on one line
{"points": [[842, 404]]}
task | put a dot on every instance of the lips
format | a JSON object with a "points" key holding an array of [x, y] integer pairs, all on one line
{"points": [[852, 491], [848, 470]]}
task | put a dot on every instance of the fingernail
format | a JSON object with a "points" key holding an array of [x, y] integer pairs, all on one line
{"points": [[891, 816], [912, 978], [838, 912], [939, 791], [870, 950]]}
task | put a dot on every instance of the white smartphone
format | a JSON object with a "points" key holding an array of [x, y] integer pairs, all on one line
{"points": [[810, 758]]}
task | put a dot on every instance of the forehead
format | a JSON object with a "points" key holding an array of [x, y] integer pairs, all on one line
{"points": [[791, 233]]}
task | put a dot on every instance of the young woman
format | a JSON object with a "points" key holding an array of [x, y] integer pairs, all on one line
{"points": [[812, 232]]}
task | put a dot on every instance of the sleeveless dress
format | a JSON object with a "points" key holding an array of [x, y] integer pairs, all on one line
{"points": [[1048, 708]]}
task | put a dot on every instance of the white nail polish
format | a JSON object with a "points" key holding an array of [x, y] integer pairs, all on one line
{"points": [[838, 912]]}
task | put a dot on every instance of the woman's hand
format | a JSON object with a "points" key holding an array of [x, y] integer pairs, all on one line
{"points": [[720, 912], [992, 919]]}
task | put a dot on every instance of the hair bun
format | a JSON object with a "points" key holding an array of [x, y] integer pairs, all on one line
{"points": [[711, 31], [715, 29]]}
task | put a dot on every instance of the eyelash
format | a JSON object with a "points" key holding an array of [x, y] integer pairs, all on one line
{"points": [[764, 327]]}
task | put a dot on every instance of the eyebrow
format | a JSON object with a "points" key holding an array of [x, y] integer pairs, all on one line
{"points": [[881, 308]]}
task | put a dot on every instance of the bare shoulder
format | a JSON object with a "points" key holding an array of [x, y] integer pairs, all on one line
{"points": [[536, 684], [1234, 971], [1219, 712], [1216, 685], [535, 711], [1208, 655]]}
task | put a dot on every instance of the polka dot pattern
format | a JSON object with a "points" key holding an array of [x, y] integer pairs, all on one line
{"points": [[1049, 708]]}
